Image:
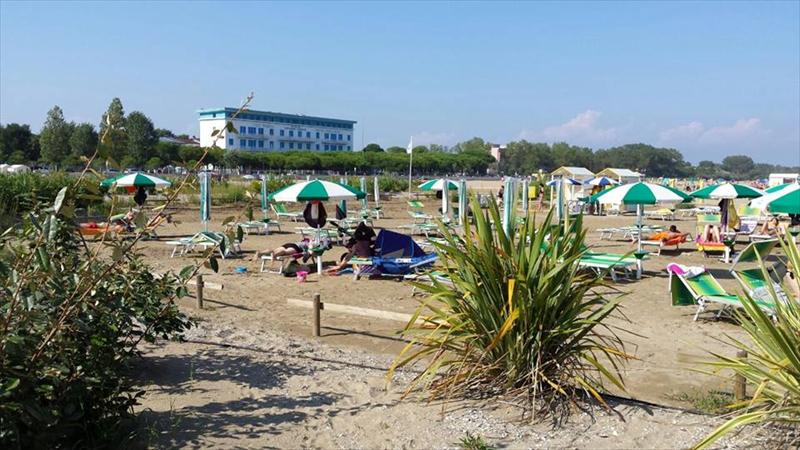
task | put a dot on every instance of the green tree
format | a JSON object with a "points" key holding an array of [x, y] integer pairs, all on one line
{"points": [[163, 132], [112, 130], [396, 149], [474, 145], [373, 147], [54, 137], [142, 137], [17, 140], [83, 140], [738, 166]]}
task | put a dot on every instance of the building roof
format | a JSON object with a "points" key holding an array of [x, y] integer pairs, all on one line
{"points": [[620, 173], [252, 114], [573, 171]]}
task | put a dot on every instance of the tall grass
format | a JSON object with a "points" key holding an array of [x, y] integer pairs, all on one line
{"points": [[520, 319], [773, 363]]}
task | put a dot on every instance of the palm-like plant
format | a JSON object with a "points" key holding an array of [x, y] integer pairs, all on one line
{"points": [[520, 317], [773, 362]]}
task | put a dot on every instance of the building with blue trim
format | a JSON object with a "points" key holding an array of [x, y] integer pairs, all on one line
{"points": [[264, 131]]}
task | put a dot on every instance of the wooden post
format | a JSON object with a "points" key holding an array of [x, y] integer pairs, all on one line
{"points": [[317, 306], [739, 385], [200, 285]]}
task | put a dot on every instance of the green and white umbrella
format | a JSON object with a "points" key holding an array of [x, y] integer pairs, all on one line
{"points": [[438, 185], [639, 194], [778, 187], [316, 190], [785, 200], [727, 191], [204, 178], [135, 179]]}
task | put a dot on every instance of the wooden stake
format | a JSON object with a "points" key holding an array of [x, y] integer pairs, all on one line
{"points": [[200, 285], [316, 307], [739, 384]]}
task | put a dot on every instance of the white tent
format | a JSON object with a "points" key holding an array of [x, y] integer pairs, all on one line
{"points": [[17, 168]]}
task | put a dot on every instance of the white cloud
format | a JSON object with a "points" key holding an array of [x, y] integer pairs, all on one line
{"points": [[691, 130], [442, 138], [581, 129], [695, 131]]}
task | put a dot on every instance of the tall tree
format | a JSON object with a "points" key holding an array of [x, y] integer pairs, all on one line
{"points": [[83, 141], [739, 166], [112, 130], [17, 140], [163, 132], [373, 147], [54, 137], [142, 137]]}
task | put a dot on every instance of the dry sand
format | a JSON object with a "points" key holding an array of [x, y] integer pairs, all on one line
{"points": [[272, 384]]}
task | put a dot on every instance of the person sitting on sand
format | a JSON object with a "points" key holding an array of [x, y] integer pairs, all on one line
{"points": [[289, 248], [361, 245]]}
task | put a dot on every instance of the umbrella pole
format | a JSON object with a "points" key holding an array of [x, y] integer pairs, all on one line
{"points": [[639, 225]]}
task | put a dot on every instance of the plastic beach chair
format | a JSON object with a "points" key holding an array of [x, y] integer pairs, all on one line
{"points": [[280, 211]]}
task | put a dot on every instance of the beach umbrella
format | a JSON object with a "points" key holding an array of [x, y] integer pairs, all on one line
{"points": [[376, 189], [508, 205], [639, 194], [438, 185], [135, 180], [363, 184], [343, 203], [204, 178], [778, 188], [462, 201], [602, 181], [570, 181], [727, 191], [264, 196], [306, 191], [525, 187], [786, 200]]}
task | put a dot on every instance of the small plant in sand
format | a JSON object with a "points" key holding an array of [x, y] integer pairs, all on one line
{"points": [[473, 442], [772, 367], [520, 318]]}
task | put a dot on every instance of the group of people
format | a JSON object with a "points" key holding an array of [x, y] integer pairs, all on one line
{"points": [[360, 245]]}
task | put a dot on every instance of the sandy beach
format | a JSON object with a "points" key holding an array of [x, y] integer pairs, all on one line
{"points": [[252, 373]]}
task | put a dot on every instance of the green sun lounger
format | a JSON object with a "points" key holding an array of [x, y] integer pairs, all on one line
{"points": [[703, 290], [280, 211], [610, 262]]}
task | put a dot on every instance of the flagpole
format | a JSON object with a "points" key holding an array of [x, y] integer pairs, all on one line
{"points": [[410, 162]]}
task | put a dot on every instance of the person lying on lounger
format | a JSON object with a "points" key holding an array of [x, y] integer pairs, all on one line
{"points": [[672, 233], [772, 228], [287, 249]]}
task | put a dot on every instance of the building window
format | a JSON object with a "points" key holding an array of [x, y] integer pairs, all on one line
{"points": [[271, 145], [291, 133], [281, 133], [291, 145], [281, 145], [317, 145], [242, 143], [251, 130], [242, 129], [317, 136], [340, 138], [251, 143], [348, 137], [308, 134], [260, 144], [260, 131], [326, 137], [308, 146], [348, 147], [230, 142], [326, 147], [271, 132]]}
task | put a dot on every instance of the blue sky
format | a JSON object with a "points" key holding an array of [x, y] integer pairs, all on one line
{"points": [[710, 79]]}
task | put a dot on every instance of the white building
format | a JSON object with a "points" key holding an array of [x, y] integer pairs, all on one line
{"points": [[776, 179], [264, 131]]}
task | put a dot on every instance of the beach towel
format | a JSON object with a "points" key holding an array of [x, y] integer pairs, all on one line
{"points": [[686, 271]]}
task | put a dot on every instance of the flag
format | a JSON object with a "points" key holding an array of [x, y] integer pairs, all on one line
{"points": [[410, 145]]}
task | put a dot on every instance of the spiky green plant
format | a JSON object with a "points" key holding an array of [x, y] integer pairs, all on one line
{"points": [[520, 318], [773, 363]]}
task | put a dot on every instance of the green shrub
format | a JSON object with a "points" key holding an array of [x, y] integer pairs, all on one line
{"points": [[772, 367], [22, 192], [71, 324], [520, 317]]}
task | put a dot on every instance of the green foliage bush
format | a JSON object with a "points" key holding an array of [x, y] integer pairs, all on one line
{"points": [[22, 192], [70, 325]]}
